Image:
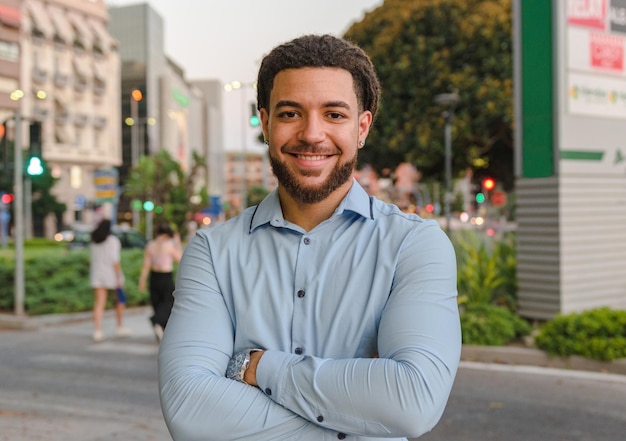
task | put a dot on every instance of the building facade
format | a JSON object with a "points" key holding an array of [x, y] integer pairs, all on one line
{"points": [[77, 63], [70, 74]]}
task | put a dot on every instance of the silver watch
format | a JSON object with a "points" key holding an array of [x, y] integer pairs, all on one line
{"points": [[239, 363]]}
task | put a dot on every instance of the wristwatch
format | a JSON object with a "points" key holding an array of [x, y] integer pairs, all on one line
{"points": [[239, 363]]}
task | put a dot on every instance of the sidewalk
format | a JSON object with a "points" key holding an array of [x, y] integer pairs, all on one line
{"points": [[506, 355]]}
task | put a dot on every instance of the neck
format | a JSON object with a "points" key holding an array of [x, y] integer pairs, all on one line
{"points": [[308, 216]]}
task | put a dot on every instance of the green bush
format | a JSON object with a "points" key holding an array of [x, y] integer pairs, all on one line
{"points": [[598, 333], [486, 269], [58, 282], [491, 325]]}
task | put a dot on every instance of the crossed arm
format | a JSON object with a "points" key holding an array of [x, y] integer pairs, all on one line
{"points": [[401, 393]]}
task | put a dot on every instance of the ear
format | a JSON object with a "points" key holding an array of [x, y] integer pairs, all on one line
{"points": [[265, 121], [365, 122]]}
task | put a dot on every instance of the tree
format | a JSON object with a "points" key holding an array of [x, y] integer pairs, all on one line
{"points": [[256, 194], [44, 202], [160, 179], [422, 48]]}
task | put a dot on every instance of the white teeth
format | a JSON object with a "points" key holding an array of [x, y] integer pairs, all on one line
{"points": [[311, 158]]}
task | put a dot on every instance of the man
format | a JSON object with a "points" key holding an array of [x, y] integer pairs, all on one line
{"points": [[321, 313]]}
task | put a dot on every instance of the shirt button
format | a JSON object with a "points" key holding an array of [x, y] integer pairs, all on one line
{"points": [[320, 419], [268, 391], [341, 435], [301, 293], [307, 241], [298, 351]]}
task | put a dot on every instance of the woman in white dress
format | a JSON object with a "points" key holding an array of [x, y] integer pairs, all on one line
{"points": [[106, 276]]}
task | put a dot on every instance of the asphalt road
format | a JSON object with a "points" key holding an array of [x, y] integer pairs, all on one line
{"points": [[56, 385]]}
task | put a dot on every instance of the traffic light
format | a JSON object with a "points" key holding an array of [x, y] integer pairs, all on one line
{"points": [[489, 184], [148, 206], [3, 147], [34, 131], [136, 95], [35, 165], [7, 198], [255, 121]]}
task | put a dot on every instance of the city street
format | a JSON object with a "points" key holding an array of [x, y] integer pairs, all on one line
{"points": [[56, 385]]}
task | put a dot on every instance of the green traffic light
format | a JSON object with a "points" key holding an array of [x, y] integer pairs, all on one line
{"points": [[480, 198], [255, 121], [35, 166], [148, 206]]}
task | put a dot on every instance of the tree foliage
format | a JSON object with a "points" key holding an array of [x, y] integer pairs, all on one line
{"points": [[422, 48], [160, 179], [44, 202]]}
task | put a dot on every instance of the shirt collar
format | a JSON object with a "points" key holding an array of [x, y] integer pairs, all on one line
{"points": [[269, 210]]}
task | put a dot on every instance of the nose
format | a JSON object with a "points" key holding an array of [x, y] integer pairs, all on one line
{"points": [[312, 129]]}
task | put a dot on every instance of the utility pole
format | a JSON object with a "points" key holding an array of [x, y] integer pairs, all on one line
{"points": [[449, 100], [18, 231]]}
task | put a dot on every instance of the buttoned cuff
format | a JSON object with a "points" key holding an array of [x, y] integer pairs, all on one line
{"points": [[271, 372]]}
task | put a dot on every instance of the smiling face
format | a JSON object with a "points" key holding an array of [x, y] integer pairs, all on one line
{"points": [[313, 126]]}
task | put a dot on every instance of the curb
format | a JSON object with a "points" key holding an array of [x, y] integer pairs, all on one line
{"points": [[513, 355], [25, 322], [505, 355]]}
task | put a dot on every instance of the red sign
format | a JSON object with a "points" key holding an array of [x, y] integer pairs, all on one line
{"points": [[498, 198], [587, 13], [607, 52]]}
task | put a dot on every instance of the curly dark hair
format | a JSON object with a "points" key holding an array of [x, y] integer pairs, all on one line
{"points": [[321, 51]]}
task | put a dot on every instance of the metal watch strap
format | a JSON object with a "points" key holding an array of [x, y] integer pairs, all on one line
{"points": [[239, 363]]}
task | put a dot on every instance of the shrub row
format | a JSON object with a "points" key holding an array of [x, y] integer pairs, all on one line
{"points": [[58, 282]]}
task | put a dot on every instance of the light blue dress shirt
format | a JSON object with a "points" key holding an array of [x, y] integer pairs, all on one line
{"points": [[371, 281]]}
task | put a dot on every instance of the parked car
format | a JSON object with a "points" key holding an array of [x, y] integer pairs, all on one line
{"points": [[80, 236]]}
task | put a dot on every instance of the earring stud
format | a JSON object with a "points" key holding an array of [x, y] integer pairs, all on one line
{"points": [[361, 143], [266, 142]]}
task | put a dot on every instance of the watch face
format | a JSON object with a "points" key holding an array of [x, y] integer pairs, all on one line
{"points": [[236, 365]]}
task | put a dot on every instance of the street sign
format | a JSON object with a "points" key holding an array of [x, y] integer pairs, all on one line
{"points": [[105, 181], [498, 198]]}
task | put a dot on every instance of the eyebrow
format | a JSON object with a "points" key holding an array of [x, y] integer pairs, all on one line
{"points": [[287, 103]]}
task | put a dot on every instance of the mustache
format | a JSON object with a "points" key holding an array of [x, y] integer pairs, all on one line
{"points": [[310, 149]]}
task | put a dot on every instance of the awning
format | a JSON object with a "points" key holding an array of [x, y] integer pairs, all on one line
{"points": [[101, 35], [80, 26], [81, 67], [39, 20], [100, 70], [62, 27], [10, 16], [63, 134], [61, 103]]}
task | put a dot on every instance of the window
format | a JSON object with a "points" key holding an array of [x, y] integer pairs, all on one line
{"points": [[9, 51]]}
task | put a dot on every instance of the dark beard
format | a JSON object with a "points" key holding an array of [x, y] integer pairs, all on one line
{"points": [[341, 174]]}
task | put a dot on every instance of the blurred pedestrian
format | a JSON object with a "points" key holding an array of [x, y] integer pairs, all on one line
{"points": [[158, 263], [106, 276], [322, 312]]}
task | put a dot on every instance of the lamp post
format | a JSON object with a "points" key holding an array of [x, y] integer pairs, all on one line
{"points": [[237, 85], [18, 192], [135, 97], [448, 100]]}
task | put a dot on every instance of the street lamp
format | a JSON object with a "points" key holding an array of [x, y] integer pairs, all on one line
{"points": [[237, 85], [135, 97], [448, 100], [18, 226]]}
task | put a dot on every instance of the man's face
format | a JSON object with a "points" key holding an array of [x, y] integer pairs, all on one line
{"points": [[314, 127]]}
